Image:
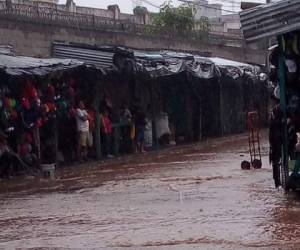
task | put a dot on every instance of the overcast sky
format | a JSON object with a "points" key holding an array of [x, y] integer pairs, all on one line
{"points": [[126, 5]]}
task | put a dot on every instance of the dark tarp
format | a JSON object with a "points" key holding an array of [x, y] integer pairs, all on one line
{"points": [[17, 66], [203, 96]]}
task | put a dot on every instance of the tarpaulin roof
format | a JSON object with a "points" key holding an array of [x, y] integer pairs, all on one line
{"points": [[270, 20], [17, 65], [168, 63], [154, 63]]}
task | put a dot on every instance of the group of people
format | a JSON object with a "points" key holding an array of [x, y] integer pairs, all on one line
{"points": [[85, 121]]}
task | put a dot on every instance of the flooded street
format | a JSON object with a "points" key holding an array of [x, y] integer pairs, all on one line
{"points": [[190, 197]]}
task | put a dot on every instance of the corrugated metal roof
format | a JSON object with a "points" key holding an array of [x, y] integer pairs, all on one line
{"points": [[96, 57], [271, 19]]}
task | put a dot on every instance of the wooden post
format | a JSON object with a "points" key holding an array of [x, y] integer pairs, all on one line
{"points": [[98, 126], [282, 83]]}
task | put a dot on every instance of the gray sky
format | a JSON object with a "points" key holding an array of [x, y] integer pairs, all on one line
{"points": [[126, 5]]}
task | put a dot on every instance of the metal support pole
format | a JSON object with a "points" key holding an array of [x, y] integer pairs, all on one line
{"points": [[282, 83]]}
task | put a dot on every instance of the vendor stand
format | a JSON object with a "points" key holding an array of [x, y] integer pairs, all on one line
{"points": [[38, 96], [281, 20]]}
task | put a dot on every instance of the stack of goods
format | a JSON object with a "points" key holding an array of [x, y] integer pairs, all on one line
{"points": [[291, 49], [28, 108]]}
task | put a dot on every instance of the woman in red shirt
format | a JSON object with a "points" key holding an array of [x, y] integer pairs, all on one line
{"points": [[106, 128]]}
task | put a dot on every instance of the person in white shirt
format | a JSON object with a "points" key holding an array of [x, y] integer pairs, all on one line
{"points": [[83, 131]]}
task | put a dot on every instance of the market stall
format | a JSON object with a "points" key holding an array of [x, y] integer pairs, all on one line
{"points": [[281, 20], [202, 97], [38, 98]]}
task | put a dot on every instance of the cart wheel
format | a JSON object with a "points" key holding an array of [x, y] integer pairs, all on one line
{"points": [[257, 164], [245, 165]]}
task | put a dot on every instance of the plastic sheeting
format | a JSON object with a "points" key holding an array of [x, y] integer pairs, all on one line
{"points": [[158, 64], [16, 65], [204, 97]]}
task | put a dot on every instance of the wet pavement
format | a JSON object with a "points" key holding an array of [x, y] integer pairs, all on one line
{"points": [[189, 197]]}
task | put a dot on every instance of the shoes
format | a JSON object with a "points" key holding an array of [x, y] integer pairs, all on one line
{"points": [[110, 156]]}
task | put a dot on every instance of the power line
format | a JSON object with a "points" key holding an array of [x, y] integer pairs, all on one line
{"points": [[151, 4], [207, 6], [229, 1]]}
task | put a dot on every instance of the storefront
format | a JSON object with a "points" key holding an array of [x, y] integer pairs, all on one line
{"points": [[38, 100], [281, 20]]}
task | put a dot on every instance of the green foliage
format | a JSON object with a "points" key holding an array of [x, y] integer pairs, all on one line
{"points": [[178, 19]]}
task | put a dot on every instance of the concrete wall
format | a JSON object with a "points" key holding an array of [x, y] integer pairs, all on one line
{"points": [[33, 39]]}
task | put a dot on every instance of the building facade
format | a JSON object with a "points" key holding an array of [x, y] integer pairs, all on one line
{"points": [[204, 9]]}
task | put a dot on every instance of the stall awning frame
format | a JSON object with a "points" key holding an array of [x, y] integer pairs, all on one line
{"points": [[269, 20]]}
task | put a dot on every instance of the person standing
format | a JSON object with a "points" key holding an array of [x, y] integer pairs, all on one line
{"points": [[140, 123], [106, 126], [92, 129], [83, 131], [275, 140]]}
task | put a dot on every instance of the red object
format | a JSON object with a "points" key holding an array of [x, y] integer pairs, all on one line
{"points": [[25, 103], [51, 92], [14, 115], [34, 94], [52, 107], [92, 118], [106, 125], [39, 123], [254, 138], [28, 138]]}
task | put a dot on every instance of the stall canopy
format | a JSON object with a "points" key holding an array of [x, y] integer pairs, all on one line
{"points": [[18, 66], [165, 63], [270, 20], [155, 63]]}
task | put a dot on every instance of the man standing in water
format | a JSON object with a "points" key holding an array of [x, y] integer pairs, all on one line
{"points": [[83, 131], [275, 140]]}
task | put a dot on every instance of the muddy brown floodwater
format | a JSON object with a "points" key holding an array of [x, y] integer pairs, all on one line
{"points": [[190, 197]]}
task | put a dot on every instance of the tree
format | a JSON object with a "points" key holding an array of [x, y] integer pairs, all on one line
{"points": [[178, 19]]}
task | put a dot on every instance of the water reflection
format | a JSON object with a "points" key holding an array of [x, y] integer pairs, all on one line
{"points": [[195, 197]]}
